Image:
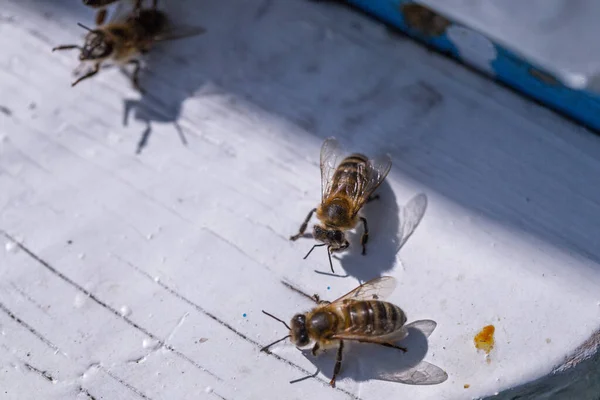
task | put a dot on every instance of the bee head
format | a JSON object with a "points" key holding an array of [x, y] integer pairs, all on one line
{"points": [[298, 331], [335, 238], [97, 46]]}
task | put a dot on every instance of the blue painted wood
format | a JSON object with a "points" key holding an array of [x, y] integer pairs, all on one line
{"points": [[430, 27]]}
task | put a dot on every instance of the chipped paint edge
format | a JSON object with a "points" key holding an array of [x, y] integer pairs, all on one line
{"points": [[584, 352], [560, 93]]}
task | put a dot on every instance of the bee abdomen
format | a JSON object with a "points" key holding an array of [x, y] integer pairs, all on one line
{"points": [[350, 171], [373, 317]]}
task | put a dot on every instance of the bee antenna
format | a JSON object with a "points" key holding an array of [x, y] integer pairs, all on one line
{"points": [[85, 27], [312, 248], [275, 342], [276, 319]]}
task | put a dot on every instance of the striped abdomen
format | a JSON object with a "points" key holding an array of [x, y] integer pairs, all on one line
{"points": [[372, 317], [350, 176]]}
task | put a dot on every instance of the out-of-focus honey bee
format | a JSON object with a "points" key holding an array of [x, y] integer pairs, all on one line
{"points": [[345, 188], [360, 316], [128, 35]]}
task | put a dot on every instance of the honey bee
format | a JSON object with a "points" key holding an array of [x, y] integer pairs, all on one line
{"points": [[127, 36], [360, 315], [345, 188]]}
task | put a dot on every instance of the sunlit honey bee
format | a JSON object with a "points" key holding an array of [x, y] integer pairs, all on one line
{"points": [[362, 316], [128, 35], [345, 188]]}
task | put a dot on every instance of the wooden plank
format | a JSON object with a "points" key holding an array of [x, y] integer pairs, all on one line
{"points": [[148, 262]]}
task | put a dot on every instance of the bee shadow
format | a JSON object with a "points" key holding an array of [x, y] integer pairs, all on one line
{"points": [[390, 227], [365, 361], [169, 76]]}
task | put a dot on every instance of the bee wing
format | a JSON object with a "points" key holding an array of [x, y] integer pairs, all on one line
{"points": [[331, 154], [122, 10], [179, 32], [376, 171], [375, 289], [423, 373], [426, 326], [395, 336]]}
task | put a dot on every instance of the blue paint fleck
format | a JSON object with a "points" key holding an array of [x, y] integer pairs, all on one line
{"points": [[328, 287], [244, 315]]}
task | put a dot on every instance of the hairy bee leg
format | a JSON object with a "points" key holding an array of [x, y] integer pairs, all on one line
{"points": [[318, 300], [66, 47], [136, 73], [365, 236], [315, 349], [371, 198], [338, 364], [88, 75], [304, 225], [101, 17], [330, 262]]}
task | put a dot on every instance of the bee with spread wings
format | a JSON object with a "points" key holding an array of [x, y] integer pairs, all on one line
{"points": [[347, 184], [130, 33], [362, 316]]}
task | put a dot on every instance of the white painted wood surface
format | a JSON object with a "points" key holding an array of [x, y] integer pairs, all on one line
{"points": [[558, 35], [143, 275]]}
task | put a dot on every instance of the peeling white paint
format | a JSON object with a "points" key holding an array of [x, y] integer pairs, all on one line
{"points": [[473, 47], [557, 35]]}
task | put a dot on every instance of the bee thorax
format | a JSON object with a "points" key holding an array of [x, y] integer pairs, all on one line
{"points": [[322, 322]]}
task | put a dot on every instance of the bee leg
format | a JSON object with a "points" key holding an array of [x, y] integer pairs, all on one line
{"points": [[371, 198], [330, 262], [315, 349], [338, 363], [101, 17], [135, 77], [88, 75], [365, 236], [318, 300], [304, 225], [66, 47]]}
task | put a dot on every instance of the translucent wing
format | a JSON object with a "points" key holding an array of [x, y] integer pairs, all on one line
{"points": [[375, 289], [376, 171], [412, 214], [331, 155], [122, 11], [179, 32], [395, 336], [423, 373], [426, 326]]}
